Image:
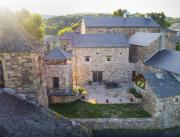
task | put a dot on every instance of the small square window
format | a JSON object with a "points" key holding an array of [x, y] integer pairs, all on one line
{"points": [[108, 58], [176, 100], [87, 59]]}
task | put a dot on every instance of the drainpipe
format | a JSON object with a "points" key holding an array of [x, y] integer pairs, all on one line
{"points": [[162, 40]]}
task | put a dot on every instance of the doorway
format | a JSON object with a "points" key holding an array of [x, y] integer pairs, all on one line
{"points": [[55, 82], [2, 84], [97, 77]]}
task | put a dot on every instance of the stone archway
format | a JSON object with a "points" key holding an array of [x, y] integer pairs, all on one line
{"points": [[2, 82]]}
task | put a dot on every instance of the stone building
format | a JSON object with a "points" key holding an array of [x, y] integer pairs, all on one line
{"points": [[161, 96], [109, 24], [100, 57], [21, 60], [58, 71]]}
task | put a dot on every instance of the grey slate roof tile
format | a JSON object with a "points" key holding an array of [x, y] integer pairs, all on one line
{"points": [[166, 87], [108, 21], [165, 59], [100, 40], [57, 53], [143, 38]]}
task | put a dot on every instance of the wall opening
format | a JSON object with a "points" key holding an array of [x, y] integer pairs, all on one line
{"points": [[2, 82]]}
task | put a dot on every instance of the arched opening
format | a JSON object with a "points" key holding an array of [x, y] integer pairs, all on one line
{"points": [[2, 83]]}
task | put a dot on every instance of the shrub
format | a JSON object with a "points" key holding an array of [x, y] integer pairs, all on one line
{"points": [[135, 93], [79, 90], [141, 84], [89, 82]]}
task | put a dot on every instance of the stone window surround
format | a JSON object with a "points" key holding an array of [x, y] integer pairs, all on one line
{"points": [[87, 58], [108, 58]]}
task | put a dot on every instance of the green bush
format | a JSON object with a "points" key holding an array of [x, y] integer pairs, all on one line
{"points": [[141, 84], [79, 90], [135, 93]]}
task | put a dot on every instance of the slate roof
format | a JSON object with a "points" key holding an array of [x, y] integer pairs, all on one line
{"points": [[57, 54], [108, 21], [68, 35], [13, 37], [143, 38], [100, 41], [165, 59], [166, 87]]}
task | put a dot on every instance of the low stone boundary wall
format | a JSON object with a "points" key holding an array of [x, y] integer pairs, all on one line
{"points": [[117, 123], [63, 99]]}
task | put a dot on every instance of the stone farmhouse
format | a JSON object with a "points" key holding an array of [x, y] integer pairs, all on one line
{"points": [[107, 49]]}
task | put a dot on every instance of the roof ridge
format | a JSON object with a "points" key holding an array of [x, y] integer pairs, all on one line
{"points": [[62, 51]]}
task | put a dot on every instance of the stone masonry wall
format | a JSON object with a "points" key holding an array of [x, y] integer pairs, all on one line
{"points": [[128, 31], [117, 123], [64, 72], [118, 69], [18, 71], [21, 73]]}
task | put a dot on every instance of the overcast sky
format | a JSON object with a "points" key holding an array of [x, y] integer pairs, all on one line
{"points": [[62, 7]]}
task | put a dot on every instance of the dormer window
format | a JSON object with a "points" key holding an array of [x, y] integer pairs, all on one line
{"points": [[87, 58]]}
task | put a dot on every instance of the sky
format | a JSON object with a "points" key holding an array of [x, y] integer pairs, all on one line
{"points": [[64, 7]]}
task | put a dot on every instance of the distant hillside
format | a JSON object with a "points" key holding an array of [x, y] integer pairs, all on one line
{"points": [[56, 23], [45, 16]]}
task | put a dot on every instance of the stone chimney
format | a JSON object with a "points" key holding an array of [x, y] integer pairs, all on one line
{"points": [[162, 40]]}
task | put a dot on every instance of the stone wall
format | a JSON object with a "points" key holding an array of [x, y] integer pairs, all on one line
{"points": [[118, 69], [117, 123], [64, 72], [128, 31], [63, 99], [23, 73]]}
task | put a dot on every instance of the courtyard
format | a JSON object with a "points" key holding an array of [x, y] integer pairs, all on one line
{"points": [[101, 95]]}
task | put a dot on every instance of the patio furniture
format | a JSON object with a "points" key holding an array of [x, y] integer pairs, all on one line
{"points": [[110, 85]]}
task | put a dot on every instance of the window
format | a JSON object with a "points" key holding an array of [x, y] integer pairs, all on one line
{"points": [[108, 58], [55, 82], [176, 100], [87, 58]]}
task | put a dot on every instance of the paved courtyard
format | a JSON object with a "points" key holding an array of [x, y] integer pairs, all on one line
{"points": [[114, 96]]}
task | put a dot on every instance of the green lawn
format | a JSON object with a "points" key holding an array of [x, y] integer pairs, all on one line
{"points": [[80, 109]]}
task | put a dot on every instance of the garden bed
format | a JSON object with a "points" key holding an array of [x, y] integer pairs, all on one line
{"points": [[80, 109]]}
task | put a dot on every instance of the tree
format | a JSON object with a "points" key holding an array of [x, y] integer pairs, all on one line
{"points": [[178, 46], [31, 22], [160, 18], [120, 12], [66, 29]]}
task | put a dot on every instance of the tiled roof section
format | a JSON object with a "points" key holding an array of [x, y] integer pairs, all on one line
{"points": [[57, 54], [13, 37], [165, 59], [100, 40], [143, 38], [108, 21], [166, 87]]}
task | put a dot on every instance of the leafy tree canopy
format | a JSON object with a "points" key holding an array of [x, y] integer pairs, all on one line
{"points": [[120, 12], [31, 22], [66, 29], [160, 18]]}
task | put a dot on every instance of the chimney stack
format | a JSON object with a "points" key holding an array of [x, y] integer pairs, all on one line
{"points": [[162, 40]]}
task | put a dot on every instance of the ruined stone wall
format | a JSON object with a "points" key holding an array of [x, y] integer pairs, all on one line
{"points": [[128, 31], [64, 72], [22, 73], [118, 69]]}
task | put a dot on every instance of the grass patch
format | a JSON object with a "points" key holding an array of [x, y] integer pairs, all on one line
{"points": [[80, 109], [135, 93]]}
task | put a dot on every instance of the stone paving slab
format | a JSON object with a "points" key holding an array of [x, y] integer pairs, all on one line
{"points": [[114, 96]]}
